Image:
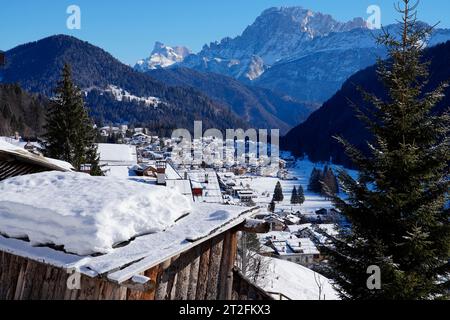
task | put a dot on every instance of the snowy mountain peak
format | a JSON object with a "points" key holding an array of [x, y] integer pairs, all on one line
{"points": [[278, 34], [162, 56], [302, 20]]}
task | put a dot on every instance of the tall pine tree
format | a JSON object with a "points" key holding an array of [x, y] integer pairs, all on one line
{"points": [[397, 208], [300, 195], [70, 134], [294, 196], [329, 182], [315, 181], [278, 193]]}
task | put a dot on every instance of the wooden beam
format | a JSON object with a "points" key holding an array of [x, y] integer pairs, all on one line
{"points": [[138, 286]]}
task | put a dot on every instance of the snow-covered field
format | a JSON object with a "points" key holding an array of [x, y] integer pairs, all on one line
{"points": [[265, 186], [296, 282]]}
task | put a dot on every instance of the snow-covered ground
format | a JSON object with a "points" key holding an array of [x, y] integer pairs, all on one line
{"points": [[296, 282], [85, 214], [123, 95], [265, 186]]}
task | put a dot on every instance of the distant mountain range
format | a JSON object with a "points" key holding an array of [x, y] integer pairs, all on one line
{"points": [[261, 108], [336, 117], [115, 93], [162, 56], [296, 52]]}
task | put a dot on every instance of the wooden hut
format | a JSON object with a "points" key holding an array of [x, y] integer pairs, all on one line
{"points": [[189, 266], [16, 161]]}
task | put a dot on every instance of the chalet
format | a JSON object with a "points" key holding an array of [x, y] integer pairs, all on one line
{"points": [[16, 161], [291, 248], [245, 196], [116, 159], [291, 219], [192, 258], [197, 189], [322, 212], [205, 186], [275, 222]]}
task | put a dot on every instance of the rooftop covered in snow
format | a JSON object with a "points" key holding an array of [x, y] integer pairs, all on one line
{"points": [[15, 159], [117, 154], [103, 226]]}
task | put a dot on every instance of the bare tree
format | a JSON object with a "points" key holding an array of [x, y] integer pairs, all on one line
{"points": [[252, 264], [320, 283]]}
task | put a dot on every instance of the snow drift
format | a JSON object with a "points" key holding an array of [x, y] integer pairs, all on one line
{"points": [[85, 214]]}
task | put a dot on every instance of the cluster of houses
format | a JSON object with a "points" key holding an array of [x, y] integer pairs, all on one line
{"points": [[294, 235], [192, 259], [293, 238]]}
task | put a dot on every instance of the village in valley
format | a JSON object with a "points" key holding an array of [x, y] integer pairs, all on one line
{"points": [[305, 158], [287, 193]]}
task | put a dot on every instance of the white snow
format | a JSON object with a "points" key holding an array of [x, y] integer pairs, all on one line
{"points": [[162, 56], [123, 95], [85, 214], [296, 282], [8, 146], [124, 262], [117, 153], [62, 164]]}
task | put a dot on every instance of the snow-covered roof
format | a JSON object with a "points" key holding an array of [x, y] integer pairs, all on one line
{"points": [[121, 154], [210, 186], [171, 172], [85, 214], [182, 186], [88, 214], [26, 156]]}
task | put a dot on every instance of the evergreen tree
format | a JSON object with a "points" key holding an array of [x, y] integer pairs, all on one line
{"points": [[330, 185], [300, 195], [315, 181], [294, 196], [278, 193], [397, 209], [272, 206], [70, 134]]}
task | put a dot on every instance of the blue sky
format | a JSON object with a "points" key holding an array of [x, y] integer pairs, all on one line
{"points": [[128, 29]]}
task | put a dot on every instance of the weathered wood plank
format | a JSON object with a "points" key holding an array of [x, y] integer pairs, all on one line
{"points": [[224, 266], [5, 260], [153, 275], [193, 273], [46, 283], [163, 278], [214, 268], [172, 280], [203, 271], [232, 261], [38, 281], [184, 269], [28, 280], [12, 277]]}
